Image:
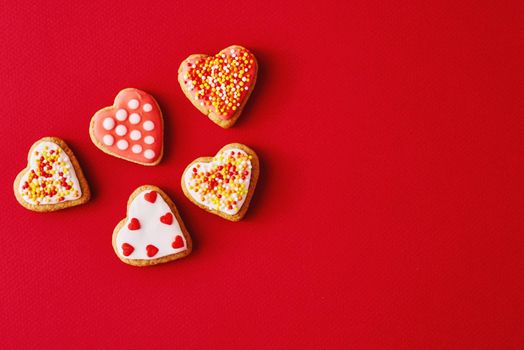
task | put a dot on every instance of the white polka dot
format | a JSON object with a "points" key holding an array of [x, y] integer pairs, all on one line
{"points": [[135, 135], [136, 149], [147, 107], [122, 144], [121, 130], [149, 154], [133, 104], [121, 115], [149, 125], [108, 123], [134, 118], [108, 140], [149, 140]]}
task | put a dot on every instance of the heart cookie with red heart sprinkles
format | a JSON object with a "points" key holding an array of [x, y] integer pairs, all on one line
{"points": [[219, 86], [53, 179], [223, 184], [131, 129], [153, 232]]}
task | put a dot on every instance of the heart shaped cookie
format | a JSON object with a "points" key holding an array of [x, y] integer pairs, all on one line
{"points": [[131, 129], [219, 86], [152, 232], [223, 184], [53, 179]]}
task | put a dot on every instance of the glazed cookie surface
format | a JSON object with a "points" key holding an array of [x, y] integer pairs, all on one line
{"points": [[223, 184], [219, 86], [53, 179], [131, 129], [152, 232]]}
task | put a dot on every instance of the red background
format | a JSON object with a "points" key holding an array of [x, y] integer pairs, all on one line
{"points": [[390, 208]]}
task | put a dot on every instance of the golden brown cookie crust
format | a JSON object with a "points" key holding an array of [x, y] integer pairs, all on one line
{"points": [[100, 145], [164, 259], [255, 171], [84, 187], [206, 110]]}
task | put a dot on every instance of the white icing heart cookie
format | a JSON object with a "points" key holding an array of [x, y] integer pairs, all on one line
{"points": [[53, 179], [131, 129], [223, 184], [153, 232]]}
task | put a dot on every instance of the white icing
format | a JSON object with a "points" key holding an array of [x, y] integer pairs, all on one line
{"points": [[149, 154], [148, 125], [121, 130], [121, 115], [57, 167], [108, 140], [133, 103], [136, 149], [134, 118], [204, 167], [152, 230], [135, 135], [122, 145], [149, 140], [147, 107], [108, 123]]}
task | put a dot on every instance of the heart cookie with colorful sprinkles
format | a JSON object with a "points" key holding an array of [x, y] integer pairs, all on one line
{"points": [[152, 232], [223, 184], [131, 129], [219, 86], [53, 179]]}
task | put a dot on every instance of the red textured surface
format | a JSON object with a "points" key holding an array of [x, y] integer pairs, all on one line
{"points": [[390, 208]]}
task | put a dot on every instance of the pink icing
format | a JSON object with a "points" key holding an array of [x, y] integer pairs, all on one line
{"points": [[127, 137]]}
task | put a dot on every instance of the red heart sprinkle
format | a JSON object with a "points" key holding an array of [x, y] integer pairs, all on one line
{"points": [[127, 249], [167, 219], [151, 250], [178, 243], [150, 197], [134, 224]]}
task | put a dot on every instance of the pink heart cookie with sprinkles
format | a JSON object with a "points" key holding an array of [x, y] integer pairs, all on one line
{"points": [[223, 184], [219, 86], [131, 129], [152, 232], [53, 179]]}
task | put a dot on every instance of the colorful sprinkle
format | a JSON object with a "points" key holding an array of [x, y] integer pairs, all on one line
{"points": [[222, 184], [51, 178], [222, 81]]}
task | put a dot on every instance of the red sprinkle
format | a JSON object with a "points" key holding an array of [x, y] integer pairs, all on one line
{"points": [[150, 197], [151, 250], [127, 249], [178, 242], [167, 219], [134, 224]]}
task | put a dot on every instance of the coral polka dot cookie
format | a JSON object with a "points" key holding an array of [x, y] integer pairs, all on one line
{"points": [[223, 184], [219, 86], [131, 129], [53, 179], [152, 232]]}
